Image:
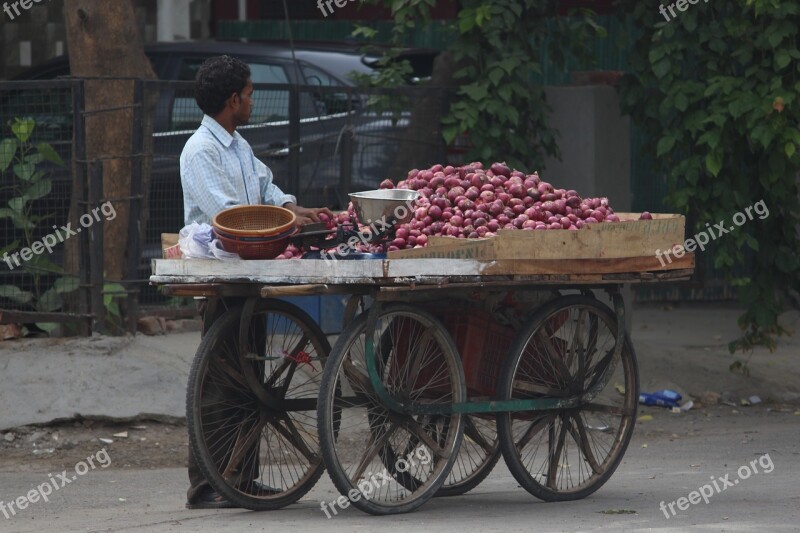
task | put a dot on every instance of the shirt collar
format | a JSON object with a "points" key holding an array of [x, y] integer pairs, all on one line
{"points": [[219, 132]]}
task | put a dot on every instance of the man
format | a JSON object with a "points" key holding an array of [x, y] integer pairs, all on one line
{"points": [[219, 171]]}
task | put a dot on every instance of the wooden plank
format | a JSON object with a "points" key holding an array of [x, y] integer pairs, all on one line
{"points": [[10, 316], [628, 238], [278, 291], [389, 272], [584, 268]]}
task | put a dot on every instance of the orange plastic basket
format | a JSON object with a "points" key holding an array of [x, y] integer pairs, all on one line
{"points": [[254, 221]]}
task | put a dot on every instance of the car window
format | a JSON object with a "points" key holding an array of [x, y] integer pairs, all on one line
{"points": [[330, 102], [314, 76], [268, 105]]}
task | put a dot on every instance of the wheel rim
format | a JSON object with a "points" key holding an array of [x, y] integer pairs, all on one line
{"points": [[572, 451], [397, 458], [260, 453]]}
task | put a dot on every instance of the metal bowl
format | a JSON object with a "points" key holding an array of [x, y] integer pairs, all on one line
{"points": [[393, 206]]}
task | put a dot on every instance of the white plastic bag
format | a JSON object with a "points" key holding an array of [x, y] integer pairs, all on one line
{"points": [[197, 242]]}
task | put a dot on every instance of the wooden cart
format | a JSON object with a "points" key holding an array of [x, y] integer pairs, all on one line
{"points": [[388, 410]]}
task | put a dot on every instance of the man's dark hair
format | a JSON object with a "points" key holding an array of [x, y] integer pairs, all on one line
{"points": [[218, 78]]}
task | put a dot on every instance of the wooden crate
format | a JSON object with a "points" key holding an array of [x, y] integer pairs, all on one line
{"points": [[626, 246]]}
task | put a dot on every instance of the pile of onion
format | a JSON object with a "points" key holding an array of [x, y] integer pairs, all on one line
{"points": [[471, 202]]}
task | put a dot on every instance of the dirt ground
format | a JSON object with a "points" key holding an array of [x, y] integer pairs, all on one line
{"points": [[683, 348], [149, 444], [153, 444]]}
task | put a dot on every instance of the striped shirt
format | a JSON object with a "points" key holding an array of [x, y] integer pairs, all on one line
{"points": [[220, 171]]}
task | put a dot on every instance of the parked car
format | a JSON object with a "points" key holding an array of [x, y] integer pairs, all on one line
{"points": [[324, 117]]}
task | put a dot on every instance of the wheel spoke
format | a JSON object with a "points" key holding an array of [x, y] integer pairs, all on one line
{"points": [[535, 427], [244, 443], [291, 434], [582, 439], [372, 450], [423, 435], [553, 355], [471, 431], [556, 455]]}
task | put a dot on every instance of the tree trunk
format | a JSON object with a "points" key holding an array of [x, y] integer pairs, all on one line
{"points": [[104, 43], [422, 145]]}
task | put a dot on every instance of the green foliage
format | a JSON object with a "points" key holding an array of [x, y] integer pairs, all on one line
{"points": [[717, 89], [29, 183], [497, 45]]}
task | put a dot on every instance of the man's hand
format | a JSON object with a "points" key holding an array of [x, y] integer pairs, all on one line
{"points": [[307, 215]]}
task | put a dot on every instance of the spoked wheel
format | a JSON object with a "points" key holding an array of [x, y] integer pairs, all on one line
{"points": [[251, 407], [417, 363], [477, 456], [567, 349], [480, 451]]}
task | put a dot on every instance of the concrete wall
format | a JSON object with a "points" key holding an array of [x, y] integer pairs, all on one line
{"points": [[595, 143], [39, 34], [595, 151]]}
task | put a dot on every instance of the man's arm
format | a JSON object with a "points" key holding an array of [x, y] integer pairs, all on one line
{"points": [[271, 194]]}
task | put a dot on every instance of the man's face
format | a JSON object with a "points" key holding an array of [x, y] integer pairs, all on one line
{"points": [[245, 108]]}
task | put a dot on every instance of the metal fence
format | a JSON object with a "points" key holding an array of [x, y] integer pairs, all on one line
{"points": [[320, 142]]}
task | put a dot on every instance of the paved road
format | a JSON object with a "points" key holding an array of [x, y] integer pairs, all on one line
{"points": [[683, 453]]}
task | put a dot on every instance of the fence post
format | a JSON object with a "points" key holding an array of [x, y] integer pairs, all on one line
{"points": [[79, 181], [294, 141], [95, 231], [346, 155], [135, 208]]}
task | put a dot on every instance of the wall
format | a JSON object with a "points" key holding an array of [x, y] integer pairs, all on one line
{"points": [[38, 34]]}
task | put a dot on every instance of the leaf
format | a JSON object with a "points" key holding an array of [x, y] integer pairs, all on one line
{"points": [[9, 247], [790, 150], [449, 133], [23, 128], [6, 212], [47, 152], [17, 205], [15, 293], [476, 91], [782, 59], [714, 162], [8, 147], [681, 102], [49, 327], [24, 171], [662, 68], [33, 159], [66, 284], [665, 145], [496, 76], [38, 190], [50, 301]]}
